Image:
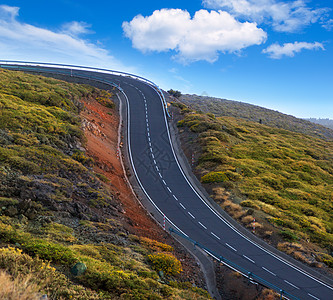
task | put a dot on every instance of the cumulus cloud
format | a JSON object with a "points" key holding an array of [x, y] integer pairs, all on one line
{"points": [[199, 38], [285, 16], [21, 41], [290, 49]]}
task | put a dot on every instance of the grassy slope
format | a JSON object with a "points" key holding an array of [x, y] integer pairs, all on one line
{"points": [[223, 107], [282, 176], [50, 200]]}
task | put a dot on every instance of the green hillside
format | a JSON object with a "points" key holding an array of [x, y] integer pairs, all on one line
{"points": [[283, 178], [254, 113], [54, 239]]}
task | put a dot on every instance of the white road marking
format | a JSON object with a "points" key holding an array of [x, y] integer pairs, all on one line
{"points": [[294, 286], [215, 235], [314, 297], [160, 174], [231, 247], [182, 205], [152, 155], [169, 189], [149, 144], [148, 128], [251, 260], [191, 215], [155, 163], [148, 133], [157, 169], [164, 182], [151, 149], [269, 271], [175, 197], [202, 225]]}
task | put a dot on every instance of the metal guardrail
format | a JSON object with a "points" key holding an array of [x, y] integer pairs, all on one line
{"points": [[251, 277], [100, 70]]}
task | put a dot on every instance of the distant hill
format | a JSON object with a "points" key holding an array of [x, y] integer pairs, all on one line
{"points": [[223, 107], [324, 122]]}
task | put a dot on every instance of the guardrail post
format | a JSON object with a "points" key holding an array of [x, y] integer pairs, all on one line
{"points": [[249, 277]]}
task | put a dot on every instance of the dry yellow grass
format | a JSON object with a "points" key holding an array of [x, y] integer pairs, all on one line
{"points": [[268, 295], [247, 219], [233, 209], [21, 288]]}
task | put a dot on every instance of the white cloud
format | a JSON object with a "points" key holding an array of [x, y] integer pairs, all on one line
{"points": [[285, 16], [21, 41], [328, 25], [75, 28], [199, 38], [290, 49]]}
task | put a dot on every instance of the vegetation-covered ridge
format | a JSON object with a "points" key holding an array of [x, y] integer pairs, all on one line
{"points": [[282, 178], [62, 231], [250, 112]]}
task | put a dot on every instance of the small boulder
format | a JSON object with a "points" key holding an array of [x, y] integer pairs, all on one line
{"points": [[78, 269]]}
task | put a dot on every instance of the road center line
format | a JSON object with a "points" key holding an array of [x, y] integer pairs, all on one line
{"points": [[160, 174], [191, 215], [215, 235], [202, 225], [314, 297], [155, 163], [231, 247], [157, 169], [169, 189], [151, 149], [270, 272], [152, 155], [175, 197], [294, 286], [251, 260], [182, 205], [164, 182]]}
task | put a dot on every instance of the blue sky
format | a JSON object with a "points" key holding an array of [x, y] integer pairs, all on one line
{"points": [[273, 53]]}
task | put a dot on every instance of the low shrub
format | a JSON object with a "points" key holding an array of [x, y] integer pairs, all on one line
{"points": [[155, 245], [289, 235], [214, 177], [165, 262]]}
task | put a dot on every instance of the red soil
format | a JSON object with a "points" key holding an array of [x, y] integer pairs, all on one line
{"points": [[101, 127]]}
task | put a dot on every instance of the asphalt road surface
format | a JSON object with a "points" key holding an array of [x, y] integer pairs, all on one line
{"points": [[162, 179]]}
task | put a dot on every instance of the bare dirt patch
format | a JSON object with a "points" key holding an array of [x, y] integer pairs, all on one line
{"points": [[101, 125]]}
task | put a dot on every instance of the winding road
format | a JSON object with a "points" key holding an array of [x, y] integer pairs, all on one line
{"points": [[162, 179]]}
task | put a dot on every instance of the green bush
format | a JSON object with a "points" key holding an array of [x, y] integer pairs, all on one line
{"points": [[165, 262], [214, 177], [288, 235]]}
